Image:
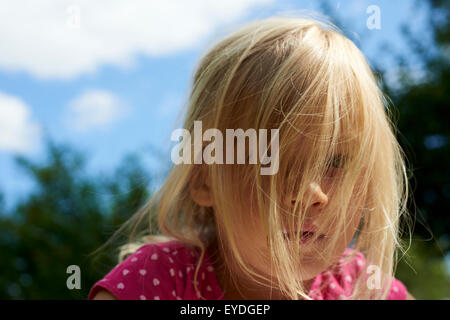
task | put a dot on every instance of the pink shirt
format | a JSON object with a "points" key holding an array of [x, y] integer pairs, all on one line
{"points": [[165, 271]]}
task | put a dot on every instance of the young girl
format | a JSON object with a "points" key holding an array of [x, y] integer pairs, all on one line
{"points": [[326, 225]]}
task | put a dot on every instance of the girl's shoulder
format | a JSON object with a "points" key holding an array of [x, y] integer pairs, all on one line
{"points": [[156, 271], [337, 283]]}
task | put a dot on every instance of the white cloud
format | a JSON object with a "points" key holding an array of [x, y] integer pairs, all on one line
{"points": [[18, 131], [94, 109], [65, 38]]}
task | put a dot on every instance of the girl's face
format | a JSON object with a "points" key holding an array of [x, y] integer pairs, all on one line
{"points": [[312, 263], [254, 246]]}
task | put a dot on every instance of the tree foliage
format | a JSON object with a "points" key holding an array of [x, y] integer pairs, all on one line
{"points": [[67, 216]]}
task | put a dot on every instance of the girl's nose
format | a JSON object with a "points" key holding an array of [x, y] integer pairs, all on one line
{"points": [[318, 198]]}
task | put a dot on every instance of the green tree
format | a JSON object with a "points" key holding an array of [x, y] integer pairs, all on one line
{"points": [[66, 217], [422, 117]]}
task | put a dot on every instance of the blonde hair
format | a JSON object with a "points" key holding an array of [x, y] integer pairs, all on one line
{"points": [[305, 78]]}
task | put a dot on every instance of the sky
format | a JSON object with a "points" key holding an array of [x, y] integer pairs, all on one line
{"points": [[110, 77]]}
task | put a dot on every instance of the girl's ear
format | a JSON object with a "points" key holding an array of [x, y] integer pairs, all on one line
{"points": [[200, 190]]}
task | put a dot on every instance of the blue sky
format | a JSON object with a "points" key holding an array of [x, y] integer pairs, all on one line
{"points": [[109, 77]]}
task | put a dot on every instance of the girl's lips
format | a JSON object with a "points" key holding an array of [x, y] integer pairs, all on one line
{"points": [[308, 227], [307, 233], [305, 237]]}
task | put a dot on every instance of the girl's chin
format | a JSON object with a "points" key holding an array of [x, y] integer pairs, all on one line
{"points": [[313, 258], [312, 269]]}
